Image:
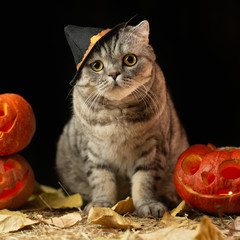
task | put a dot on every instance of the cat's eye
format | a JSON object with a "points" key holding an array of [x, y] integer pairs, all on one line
{"points": [[96, 65], [129, 59]]}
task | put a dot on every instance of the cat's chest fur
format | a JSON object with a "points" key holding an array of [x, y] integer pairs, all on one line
{"points": [[114, 139]]}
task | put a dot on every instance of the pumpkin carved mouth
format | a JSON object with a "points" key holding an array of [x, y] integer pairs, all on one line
{"points": [[16, 181], [11, 192], [7, 127], [225, 193]]}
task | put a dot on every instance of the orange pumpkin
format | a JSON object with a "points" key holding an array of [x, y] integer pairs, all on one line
{"points": [[17, 123], [16, 181], [208, 178]]}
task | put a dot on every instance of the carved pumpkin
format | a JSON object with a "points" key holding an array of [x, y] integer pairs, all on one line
{"points": [[17, 123], [208, 178], [16, 181]]}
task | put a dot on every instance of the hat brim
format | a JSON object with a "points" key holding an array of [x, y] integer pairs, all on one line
{"points": [[76, 76]]}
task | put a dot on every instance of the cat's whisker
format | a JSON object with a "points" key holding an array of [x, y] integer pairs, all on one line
{"points": [[90, 105], [146, 101], [150, 96], [96, 101], [138, 95], [89, 99]]}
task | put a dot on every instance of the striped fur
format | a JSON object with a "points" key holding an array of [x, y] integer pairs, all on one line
{"points": [[124, 136]]}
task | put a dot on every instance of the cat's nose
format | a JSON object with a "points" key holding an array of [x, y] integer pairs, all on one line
{"points": [[114, 75]]}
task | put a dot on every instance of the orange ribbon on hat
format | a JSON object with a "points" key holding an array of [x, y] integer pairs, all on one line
{"points": [[94, 39]]}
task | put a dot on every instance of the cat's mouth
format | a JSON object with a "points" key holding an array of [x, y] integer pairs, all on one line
{"points": [[118, 91], [116, 84]]}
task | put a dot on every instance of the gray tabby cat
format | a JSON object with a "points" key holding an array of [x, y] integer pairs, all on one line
{"points": [[124, 137]]}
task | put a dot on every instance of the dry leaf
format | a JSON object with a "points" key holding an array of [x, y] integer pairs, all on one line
{"points": [[48, 189], [234, 225], [169, 233], [169, 220], [126, 235], [109, 218], [208, 231], [124, 206], [72, 201], [178, 209], [53, 200], [10, 213], [13, 221], [64, 221]]}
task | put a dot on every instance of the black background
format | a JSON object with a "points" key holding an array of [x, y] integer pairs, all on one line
{"points": [[197, 46]]}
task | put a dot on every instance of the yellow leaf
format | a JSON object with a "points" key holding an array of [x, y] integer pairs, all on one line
{"points": [[13, 221], [208, 231], [124, 206], [72, 201], [48, 189], [126, 236], [53, 200], [169, 220], [178, 209], [9, 213], [64, 221], [109, 218]]}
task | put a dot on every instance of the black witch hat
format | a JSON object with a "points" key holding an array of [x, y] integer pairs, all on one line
{"points": [[82, 41]]}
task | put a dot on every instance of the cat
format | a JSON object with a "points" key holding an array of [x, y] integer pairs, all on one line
{"points": [[124, 136]]}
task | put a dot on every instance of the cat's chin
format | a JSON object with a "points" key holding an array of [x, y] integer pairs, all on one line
{"points": [[117, 93]]}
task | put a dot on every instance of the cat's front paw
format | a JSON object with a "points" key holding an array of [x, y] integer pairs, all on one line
{"points": [[96, 204], [155, 209]]}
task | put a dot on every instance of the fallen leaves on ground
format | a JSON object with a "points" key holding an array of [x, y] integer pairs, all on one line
{"points": [[13, 220], [64, 221], [169, 233], [45, 197], [234, 228], [208, 231], [124, 206], [174, 225], [109, 218]]}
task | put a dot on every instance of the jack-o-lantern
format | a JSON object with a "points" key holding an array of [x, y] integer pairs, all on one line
{"points": [[208, 178], [17, 123], [16, 181]]}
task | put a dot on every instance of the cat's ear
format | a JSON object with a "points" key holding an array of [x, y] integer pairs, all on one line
{"points": [[142, 30]]}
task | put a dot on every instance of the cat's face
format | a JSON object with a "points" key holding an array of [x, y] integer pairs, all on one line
{"points": [[120, 65]]}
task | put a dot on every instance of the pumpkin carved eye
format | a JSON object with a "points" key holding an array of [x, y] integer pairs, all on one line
{"points": [[191, 164], [208, 178], [230, 169], [10, 163]]}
